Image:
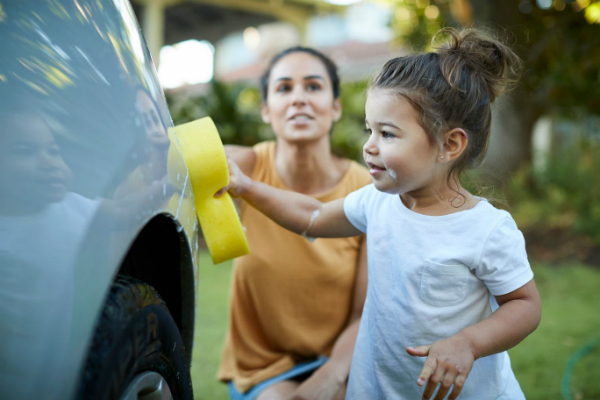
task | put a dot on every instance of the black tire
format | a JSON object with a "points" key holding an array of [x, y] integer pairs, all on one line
{"points": [[135, 334]]}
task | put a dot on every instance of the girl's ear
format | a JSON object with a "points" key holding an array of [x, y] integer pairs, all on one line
{"points": [[337, 109], [455, 142], [264, 112]]}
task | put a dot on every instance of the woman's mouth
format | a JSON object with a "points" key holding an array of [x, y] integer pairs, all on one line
{"points": [[300, 119]]}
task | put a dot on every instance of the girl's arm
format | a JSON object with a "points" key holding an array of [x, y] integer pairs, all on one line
{"points": [[329, 381], [449, 361], [294, 211]]}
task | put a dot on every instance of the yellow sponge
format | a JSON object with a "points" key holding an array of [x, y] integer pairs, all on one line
{"points": [[206, 163]]}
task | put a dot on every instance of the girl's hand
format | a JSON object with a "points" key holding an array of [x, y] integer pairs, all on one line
{"points": [[448, 363], [238, 181]]}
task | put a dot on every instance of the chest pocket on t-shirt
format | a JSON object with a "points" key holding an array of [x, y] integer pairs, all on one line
{"points": [[443, 285]]}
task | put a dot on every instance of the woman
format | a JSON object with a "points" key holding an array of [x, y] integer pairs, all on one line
{"points": [[295, 305]]}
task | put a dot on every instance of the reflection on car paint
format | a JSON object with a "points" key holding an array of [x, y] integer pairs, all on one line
{"points": [[83, 163]]}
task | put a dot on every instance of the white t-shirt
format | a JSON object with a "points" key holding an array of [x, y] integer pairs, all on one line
{"points": [[429, 278]]}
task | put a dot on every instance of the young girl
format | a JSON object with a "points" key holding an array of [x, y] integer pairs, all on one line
{"points": [[449, 287]]}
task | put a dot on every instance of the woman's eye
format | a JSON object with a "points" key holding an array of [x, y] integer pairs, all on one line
{"points": [[313, 86], [283, 88]]}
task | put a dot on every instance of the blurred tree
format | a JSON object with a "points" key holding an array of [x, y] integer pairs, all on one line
{"points": [[234, 108], [559, 40]]}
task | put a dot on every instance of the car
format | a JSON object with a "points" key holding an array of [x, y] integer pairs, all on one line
{"points": [[98, 229]]}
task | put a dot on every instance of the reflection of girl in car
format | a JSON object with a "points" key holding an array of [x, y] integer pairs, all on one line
{"points": [[41, 227], [295, 306], [35, 180]]}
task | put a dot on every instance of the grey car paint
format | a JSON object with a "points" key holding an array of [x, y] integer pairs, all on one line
{"points": [[84, 155]]}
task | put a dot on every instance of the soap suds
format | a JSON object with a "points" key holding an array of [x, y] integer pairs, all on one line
{"points": [[313, 218], [391, 172]]}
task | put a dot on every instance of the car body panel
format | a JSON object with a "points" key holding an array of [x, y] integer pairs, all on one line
{"points": [[84, 166]]}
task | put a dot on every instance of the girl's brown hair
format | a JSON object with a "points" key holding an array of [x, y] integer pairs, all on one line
{"points": [[454, 87]]}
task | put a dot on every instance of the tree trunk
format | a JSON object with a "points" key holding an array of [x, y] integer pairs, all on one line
{"points": [[514, 114]]}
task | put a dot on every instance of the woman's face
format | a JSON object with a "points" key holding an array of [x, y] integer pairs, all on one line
{"points": [[300, 104]]}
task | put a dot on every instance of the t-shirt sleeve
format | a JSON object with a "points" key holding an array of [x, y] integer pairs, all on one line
{"points": [[503, 265], [355, 207]]}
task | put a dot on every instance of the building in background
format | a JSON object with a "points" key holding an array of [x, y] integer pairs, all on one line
{"points": [[232, 40]]}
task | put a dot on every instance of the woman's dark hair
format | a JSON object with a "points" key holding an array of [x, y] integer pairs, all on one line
{"points": [[454, 87], [329, 66]]}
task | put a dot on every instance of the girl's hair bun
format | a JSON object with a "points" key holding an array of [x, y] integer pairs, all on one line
{"points": [[483, 55]]}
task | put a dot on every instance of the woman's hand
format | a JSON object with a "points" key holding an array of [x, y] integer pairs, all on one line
{"points": [[448, 363], [238, 181], [323, 384]]}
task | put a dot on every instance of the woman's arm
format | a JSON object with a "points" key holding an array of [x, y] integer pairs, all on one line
{"points": [[449, 361], [329, 381], [294, 211]]}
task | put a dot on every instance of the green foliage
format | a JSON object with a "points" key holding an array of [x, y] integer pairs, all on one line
{"points": [[348, 137], [557, 43], [562, 195], [235, 109], [416, 21]]}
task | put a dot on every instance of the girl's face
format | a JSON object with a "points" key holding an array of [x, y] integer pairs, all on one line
{"points": [[32, 171], [300, 104], [398, 153]]}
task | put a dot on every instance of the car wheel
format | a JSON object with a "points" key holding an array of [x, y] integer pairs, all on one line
{"points": [[137, 351]]}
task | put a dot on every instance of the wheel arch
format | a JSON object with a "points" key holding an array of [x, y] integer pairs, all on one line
{"points": [[161, 256]]}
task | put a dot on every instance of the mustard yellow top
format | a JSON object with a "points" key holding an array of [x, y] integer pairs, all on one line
{"points": [[290, 299]]}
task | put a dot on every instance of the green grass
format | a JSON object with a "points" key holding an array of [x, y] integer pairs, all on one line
{"points": [[212, 309], [570, 319]]}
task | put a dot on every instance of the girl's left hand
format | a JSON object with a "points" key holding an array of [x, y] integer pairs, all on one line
{"points": [[448, 363]]}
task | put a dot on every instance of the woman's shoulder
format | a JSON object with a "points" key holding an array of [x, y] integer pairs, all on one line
{"points": [[357, 175], [354, 177], [243, 156]]}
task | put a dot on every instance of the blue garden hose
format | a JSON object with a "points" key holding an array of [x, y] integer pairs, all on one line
{"points": [[568, 372]]}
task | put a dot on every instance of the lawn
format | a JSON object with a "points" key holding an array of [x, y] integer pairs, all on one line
{"points": [[570, 320]]}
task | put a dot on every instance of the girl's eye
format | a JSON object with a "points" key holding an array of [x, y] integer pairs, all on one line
{"points": [[367, 130], [386, 135]]}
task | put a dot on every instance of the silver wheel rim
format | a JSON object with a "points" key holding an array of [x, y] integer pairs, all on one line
{"points": [[148, 386]]}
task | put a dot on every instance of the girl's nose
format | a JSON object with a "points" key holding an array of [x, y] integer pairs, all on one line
{"points": [[48, 160], [371, 146]]}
